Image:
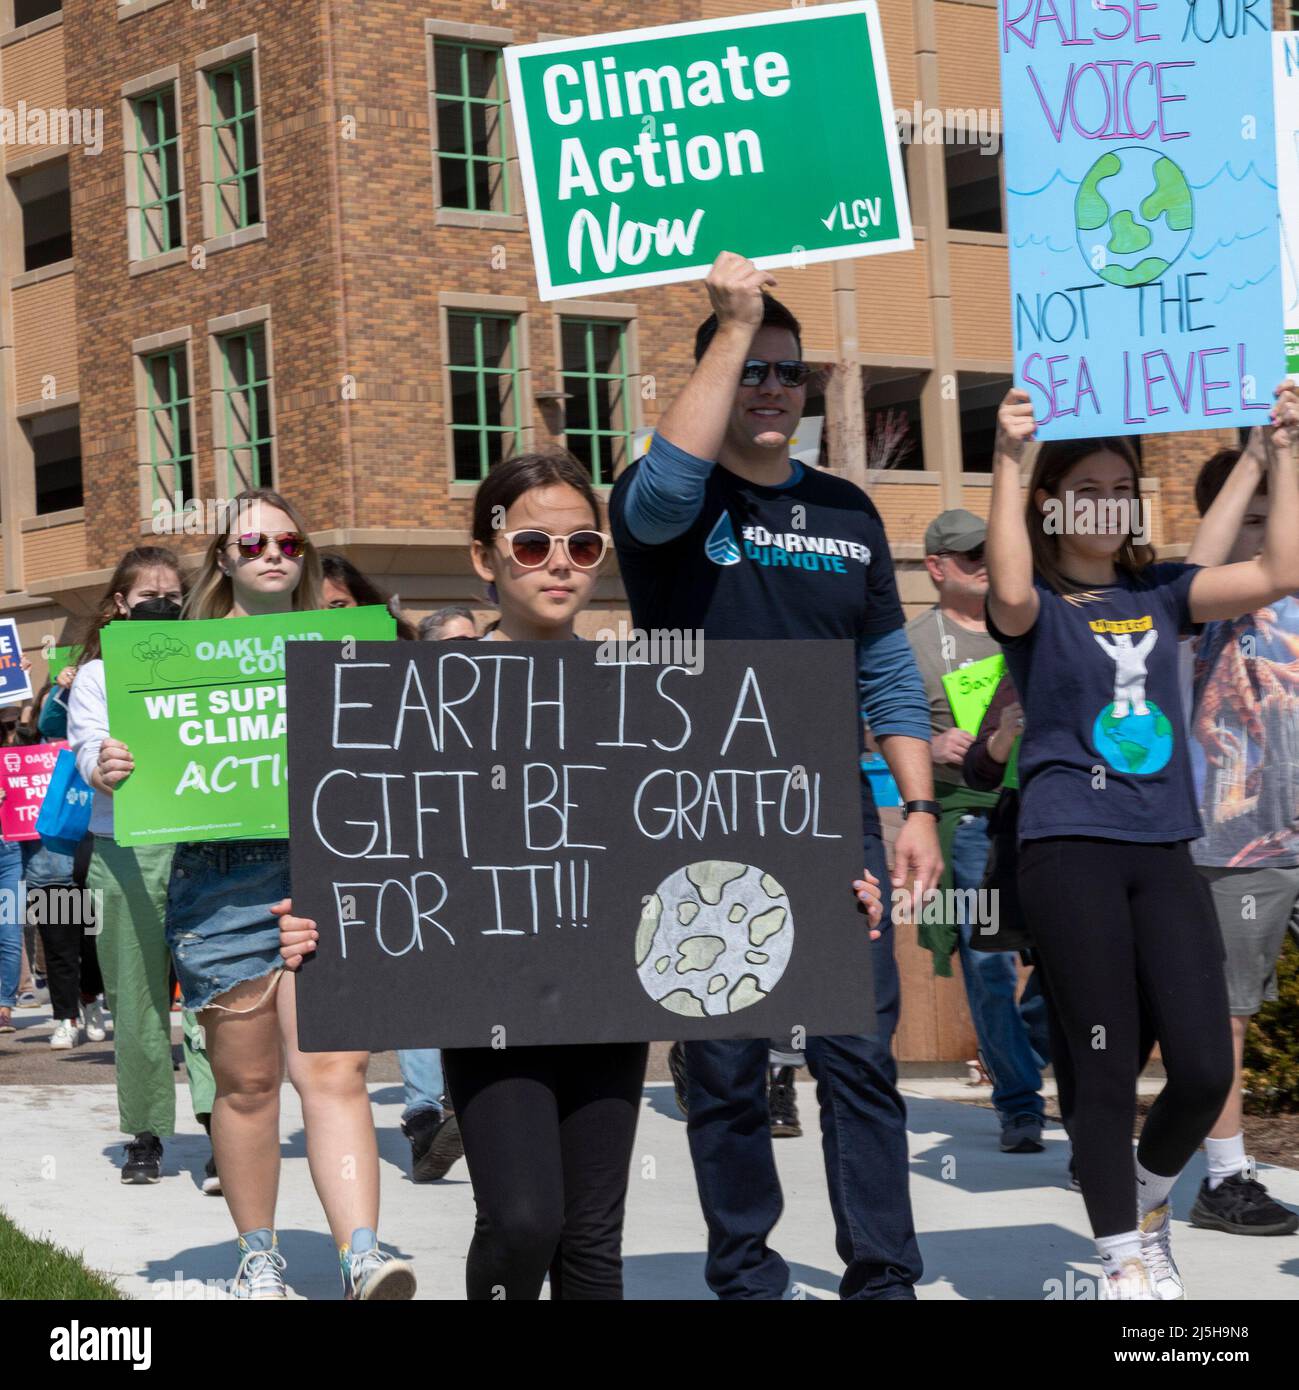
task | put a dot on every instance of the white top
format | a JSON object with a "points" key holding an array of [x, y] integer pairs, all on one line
{"points": [[87, 730]]}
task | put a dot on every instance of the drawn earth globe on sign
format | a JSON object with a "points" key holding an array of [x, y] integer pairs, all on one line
{"points": [[1134, 743], [1133, 215], [714, 938]]}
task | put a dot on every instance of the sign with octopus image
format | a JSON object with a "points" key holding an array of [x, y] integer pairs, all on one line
{"points": [[513, 844]]}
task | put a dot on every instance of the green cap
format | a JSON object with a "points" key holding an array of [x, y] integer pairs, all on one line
{"points": [[955, 530]]}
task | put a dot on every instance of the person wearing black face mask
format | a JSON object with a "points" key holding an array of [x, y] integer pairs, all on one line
{"points": [[132, 943], [161, 609]]}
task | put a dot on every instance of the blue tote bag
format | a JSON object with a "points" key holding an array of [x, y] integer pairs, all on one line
{"points": [[65, 812]]}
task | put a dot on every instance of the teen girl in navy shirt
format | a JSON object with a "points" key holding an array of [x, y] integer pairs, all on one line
{"points": [[1120, 919]]}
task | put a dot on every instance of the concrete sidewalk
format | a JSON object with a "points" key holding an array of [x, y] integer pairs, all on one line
{"points": [[992, 1225]]}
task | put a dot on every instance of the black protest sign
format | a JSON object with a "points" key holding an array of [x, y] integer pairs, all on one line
{"points": [[509, 844]]}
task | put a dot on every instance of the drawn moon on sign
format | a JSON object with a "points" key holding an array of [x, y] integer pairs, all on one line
{"points": [[714, 938]]}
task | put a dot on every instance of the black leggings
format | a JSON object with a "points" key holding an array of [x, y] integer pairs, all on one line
{"points": [[548, 1137], [1119, 927]]}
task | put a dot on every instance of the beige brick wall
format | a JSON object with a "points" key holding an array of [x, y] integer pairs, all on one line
{"points": [[45, 338], [33, 71]]}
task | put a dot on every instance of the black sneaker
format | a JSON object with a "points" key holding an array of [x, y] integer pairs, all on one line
{"points": [[1241, 1206], [143, 1159], [1022, 1134], [677, 1070], [783, 1104], [435, 1144]]}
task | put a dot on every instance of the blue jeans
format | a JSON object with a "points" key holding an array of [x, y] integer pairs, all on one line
{"points": [[11, 922], [421, 1074], [219, 925], [991, 981], [47, 868], [863, 1136]]}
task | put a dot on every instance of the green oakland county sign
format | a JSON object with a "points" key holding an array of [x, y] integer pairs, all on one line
{"points": [[645, 154], [201, 706]]}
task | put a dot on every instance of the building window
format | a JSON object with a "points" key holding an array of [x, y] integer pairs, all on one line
{"points": [[891, 410], [47, 214], [469, 99], [973, 187], [169, 426], [27, 10], [245, 438], [157, 173], [486, 391], [236, 162], [597, 415], [56, 452], [1294, 16], [978, 397]]}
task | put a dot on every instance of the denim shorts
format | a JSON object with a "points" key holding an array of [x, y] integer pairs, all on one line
{"points": [[219, 924]]}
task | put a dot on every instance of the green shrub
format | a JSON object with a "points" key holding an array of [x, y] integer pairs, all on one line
{"points": [[1272, 1044]]}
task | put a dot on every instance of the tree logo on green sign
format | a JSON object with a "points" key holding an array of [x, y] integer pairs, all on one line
{"points": [[156, 649]]}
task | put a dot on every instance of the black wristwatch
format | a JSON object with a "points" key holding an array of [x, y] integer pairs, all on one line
{"points": [[931, 807]]}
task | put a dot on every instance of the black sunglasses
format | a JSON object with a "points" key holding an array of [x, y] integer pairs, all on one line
{"points": [[788, 373], [974, 557]]}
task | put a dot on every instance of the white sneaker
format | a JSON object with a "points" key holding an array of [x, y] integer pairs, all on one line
{"points": [[374, 1274], [1128, 1283], [1157, 1254], [64, 1036], [260, 1274], [93, 1015]]}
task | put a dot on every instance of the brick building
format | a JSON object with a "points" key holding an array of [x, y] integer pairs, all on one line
{"points": [[295, 253]]}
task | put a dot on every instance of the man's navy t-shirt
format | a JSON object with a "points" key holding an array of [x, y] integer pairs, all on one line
{"points": [[807, 559], [1104, 751]]}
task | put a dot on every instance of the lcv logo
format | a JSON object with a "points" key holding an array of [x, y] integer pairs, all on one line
{"points": [[77, 1343]]}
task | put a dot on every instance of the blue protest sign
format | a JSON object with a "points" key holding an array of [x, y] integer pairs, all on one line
{"points": [[1143, 223], [14, 685], [1285, 75]]}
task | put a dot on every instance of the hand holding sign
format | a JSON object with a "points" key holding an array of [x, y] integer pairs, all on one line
{"points": [[867, 889], [1015, 424], [298, 935], [951, 746], [115, 764], [1285, 416], [735, 286]]}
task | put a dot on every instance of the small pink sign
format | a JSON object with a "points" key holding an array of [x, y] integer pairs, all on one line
{"points": [[25, 774]]}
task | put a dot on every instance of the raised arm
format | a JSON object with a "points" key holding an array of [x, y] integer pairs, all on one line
{"points": [[1012, 600], [1229, 591], [696, 421], [1220, 525], [666, 491]]}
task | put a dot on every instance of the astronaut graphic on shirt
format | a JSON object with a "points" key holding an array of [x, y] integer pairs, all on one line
{"points": [[1129, 670], [1131, 733]]}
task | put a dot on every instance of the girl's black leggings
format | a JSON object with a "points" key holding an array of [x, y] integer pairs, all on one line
{"points": [[1119, 927], [548, 1135]]}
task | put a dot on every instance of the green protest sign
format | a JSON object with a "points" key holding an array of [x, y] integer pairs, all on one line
{"points": [[645, 154], [1011, 779], [201, 706], [970, 690], [60, 658]]}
